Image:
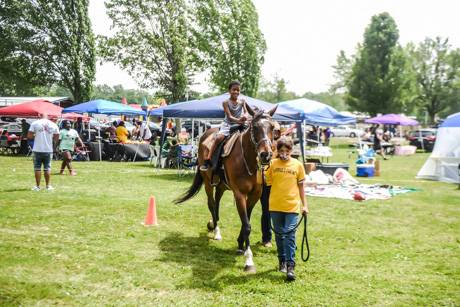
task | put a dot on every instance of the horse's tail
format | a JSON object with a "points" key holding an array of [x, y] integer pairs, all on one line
{"points": [[193, 190]]}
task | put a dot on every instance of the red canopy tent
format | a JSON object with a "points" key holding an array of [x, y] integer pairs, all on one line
{"points": [[32, 109]]}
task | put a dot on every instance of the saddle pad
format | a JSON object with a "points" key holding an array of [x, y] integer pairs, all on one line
{"points": [[229, 144], [208, 141]]}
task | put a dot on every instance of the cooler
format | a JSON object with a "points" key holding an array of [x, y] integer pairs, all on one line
{"points": [[365, 170]]}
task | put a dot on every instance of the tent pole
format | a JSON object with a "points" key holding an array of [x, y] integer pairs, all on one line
{"points": [[193, 136], [89, 131], [301, 140], [421, 137], [162, 139], [99, 141]]}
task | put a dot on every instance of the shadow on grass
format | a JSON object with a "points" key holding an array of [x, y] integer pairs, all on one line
{"points": [[14, 190], [173, 176], [207, 262]]}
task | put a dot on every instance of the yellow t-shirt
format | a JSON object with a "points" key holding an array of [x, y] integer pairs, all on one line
{"points": [[122, 134], [284, 177]]}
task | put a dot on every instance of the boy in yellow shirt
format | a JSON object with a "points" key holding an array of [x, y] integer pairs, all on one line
{"points": [[286, 176]]}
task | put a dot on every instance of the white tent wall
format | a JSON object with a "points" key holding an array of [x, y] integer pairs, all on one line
{"points": [[443, 163]]}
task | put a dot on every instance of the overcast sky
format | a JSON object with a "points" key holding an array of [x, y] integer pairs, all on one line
{"points": [[304, 37]]}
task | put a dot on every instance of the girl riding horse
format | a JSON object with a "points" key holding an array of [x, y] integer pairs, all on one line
{"points": [[241, 168]]}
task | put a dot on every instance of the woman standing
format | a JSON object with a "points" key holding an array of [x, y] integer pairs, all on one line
{"points": [[66, 144]]}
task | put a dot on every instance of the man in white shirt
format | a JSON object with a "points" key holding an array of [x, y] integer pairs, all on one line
{"points": [[44, 132], [144, 132]]}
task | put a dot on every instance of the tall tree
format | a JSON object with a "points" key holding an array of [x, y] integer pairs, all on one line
{"points": [[231, 42], [19, 72], [342, 72], [437, 70], [376, 81], [152, 43], [54, 38]]}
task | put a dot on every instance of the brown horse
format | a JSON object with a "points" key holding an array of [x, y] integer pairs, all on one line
{"points": [[241, 169]]}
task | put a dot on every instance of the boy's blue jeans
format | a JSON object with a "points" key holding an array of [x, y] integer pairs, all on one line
{"points": [[283, 222]]}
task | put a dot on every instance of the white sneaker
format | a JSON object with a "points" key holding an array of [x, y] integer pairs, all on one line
{"points": [[49, 188], [36, 189]]}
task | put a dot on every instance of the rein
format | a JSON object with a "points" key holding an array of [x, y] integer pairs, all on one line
{"points": [[244, 158], [255, 144]]}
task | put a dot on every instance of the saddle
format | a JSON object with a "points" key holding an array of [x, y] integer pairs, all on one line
{"points": [[223, 150]]}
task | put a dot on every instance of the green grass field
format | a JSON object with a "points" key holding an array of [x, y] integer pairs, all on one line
{"points": [[84, 244]]}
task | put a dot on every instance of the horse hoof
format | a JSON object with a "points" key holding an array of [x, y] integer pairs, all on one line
{"points": [[210, 226], [251, 269], [218, 238], [240, 252]]}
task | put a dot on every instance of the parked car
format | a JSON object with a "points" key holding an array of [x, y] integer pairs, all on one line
{"points": [[346, 131], [12, 128], [428, 136]]}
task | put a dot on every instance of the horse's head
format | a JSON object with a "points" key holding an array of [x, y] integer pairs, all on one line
{"points": [[261, 131]]}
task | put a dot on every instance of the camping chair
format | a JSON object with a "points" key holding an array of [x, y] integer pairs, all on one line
{"points": [[81, 154], [186, 160]]}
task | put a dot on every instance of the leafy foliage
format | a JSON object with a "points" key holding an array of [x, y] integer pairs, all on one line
{"points": [[45, 42], [151, 43], [116, 92], [376, 82], [230, 41], [275, 91], [437, 71]]}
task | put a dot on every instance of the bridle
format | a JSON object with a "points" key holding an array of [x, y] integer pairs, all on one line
{"points": [[256, 144]]}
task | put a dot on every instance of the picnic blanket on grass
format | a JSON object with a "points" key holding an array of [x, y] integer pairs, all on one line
{"points": [[369, 191]]}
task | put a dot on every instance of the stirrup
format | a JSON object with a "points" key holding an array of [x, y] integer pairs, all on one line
{"points": [[205, 166]]}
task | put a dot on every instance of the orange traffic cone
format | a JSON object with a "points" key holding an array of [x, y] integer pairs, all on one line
{"points": [[151, 216]]}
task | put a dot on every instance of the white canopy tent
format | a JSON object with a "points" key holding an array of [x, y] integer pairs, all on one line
{"points": [[444, 162]]}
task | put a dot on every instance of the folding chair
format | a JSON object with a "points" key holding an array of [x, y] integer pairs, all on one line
{"points": [[186, 160]]}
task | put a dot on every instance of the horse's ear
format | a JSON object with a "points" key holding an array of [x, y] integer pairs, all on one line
{"points": [[273, 110], [250, 110]]}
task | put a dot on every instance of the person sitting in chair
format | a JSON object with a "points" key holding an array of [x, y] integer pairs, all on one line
{"points": [[235, 113]]}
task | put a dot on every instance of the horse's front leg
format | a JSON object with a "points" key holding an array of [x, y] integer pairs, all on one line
{"points": [[212, 224], [252, 199], [243, 239]]}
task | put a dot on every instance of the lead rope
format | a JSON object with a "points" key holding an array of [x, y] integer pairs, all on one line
{"points": [[304, 236]]}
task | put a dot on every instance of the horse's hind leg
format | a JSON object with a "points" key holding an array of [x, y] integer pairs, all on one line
{"points": [[218, 196]]}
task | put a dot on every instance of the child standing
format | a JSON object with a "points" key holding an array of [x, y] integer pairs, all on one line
{"points": [[235, 113], [286, 176]]}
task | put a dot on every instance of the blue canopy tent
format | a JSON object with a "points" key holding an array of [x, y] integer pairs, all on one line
{"points": [[314, 113], [101, 106], [212, 108]]}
